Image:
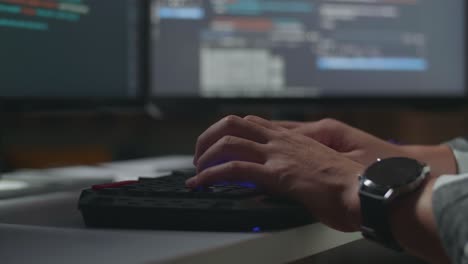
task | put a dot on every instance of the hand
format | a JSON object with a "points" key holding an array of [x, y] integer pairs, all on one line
{"points": [[366, 149], [281, 162]]}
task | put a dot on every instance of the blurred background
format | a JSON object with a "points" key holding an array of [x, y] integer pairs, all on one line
{"points": [[91, 81]]}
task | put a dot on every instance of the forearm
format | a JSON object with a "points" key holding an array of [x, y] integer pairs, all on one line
{"points": [[414, 226]]}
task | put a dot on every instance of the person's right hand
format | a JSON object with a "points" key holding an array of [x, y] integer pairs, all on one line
{"points": [[366, 149], [283, 163]]}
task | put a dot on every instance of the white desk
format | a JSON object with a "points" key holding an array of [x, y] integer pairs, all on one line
{"points": [[48, 229]]}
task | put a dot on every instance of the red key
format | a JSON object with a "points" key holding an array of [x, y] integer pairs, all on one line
{"points": [[113, 185]]}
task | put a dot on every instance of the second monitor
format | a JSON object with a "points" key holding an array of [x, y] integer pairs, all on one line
{"points": [[307, 49], [73, 50]]}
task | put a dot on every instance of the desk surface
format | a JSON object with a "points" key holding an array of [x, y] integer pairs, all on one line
{"points": [[49, 229]]}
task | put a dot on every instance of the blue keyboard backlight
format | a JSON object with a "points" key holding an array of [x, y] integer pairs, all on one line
{"points": [[256, 229], [247, 185]]}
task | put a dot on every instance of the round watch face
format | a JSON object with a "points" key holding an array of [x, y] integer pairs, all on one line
{"points": [[394, 171]]}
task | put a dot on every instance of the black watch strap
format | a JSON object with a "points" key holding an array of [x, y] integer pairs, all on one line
{"points": [[375, 221]]}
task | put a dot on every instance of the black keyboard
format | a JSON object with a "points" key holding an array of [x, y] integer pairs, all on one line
{"points": [[165, 203]]}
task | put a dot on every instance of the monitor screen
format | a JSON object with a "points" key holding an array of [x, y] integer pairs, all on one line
{"points": [[307, 48], [69, 49]]}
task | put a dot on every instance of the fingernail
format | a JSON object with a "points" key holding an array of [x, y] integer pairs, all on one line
{"points": [[192, 182]]}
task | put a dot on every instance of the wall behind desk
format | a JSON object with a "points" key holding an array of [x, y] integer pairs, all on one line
{"points": [[50, 140]]}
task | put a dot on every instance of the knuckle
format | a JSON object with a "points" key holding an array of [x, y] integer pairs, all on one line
{"points": [[230, 121], [251, 118], [231, 118], [227, 142], [235, 166], [329, 123], [329, 120]]}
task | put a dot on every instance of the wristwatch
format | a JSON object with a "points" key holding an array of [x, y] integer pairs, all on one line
{"points": [[380, 184]]}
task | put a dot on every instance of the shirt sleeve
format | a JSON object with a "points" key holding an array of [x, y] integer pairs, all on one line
{"points": [[460, 150], [450, 204]]}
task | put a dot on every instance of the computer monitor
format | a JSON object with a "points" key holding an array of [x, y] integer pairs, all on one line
{"points": [[307, 49], [60, 52]]}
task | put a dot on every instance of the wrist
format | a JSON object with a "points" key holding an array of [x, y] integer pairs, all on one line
{"points": [[413, 224], [352, 201], [382, 185], [439, 157]]}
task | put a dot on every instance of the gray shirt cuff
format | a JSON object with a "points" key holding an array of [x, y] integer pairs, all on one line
{"points": [[460, 151], [450, 206]]}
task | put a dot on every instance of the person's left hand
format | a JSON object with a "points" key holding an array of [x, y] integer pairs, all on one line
{"points": [[281, 162]]}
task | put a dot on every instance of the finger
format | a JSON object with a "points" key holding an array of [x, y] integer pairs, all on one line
{"points": [[234, 171], [231, 148], [230, 126], [326, 131], [263, 122], [288, 124]]}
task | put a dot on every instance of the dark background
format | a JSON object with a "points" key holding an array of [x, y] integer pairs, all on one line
{"points": [[43, 140]]}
